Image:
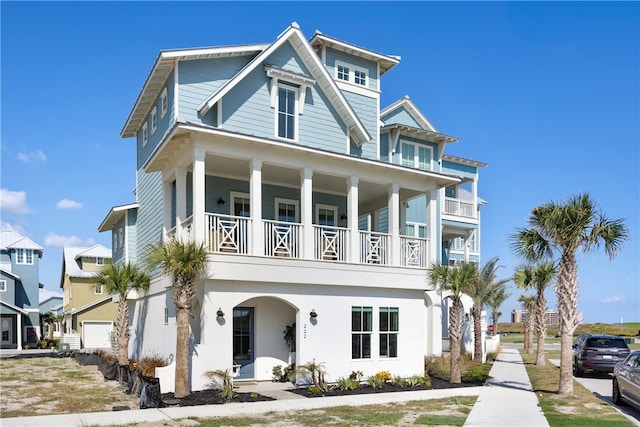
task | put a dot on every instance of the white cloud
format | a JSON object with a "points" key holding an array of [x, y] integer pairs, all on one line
{"points": [[54, 240], [611, 299], [12, 227], [68, 204], [14, 202], [33, 156]]}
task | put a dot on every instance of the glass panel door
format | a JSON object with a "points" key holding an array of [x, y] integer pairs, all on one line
{"points": [[243, 353]]}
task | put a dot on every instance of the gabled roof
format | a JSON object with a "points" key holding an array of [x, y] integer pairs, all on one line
{"points": [[90, 305], [9, 239], [14, 308], [419, 133], [302, 47], [71, 254], [408, 105], [10, 274], [162, 68], [386, 62], [114, 215]]}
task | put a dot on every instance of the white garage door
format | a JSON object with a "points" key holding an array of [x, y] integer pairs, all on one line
{"points": [[96, 334]]}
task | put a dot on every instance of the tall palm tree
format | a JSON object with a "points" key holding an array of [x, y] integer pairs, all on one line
{"points": [[120, 279], [497, 297], [529, 304], [538, 278], [48, 318], [456, 281], [480, 292], [184, 262], [562, 230]]}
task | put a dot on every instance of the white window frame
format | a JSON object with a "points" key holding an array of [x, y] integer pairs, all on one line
{"points": [[99, 261], [294, 115], [24, 256], [296, 203], [390, 331], [3, 285], [145, 134], [164, 103], [115, 241], [351, 73], [97, 290], [416, 151], [417, 226], [232, 197], [332, 208], [154, 120]]}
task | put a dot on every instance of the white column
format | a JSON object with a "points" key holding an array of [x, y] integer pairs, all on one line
{"points": [[474, 194], [181, 201], [198, 223], [352, 219], [433, 229], [255, 196], [306, 212], [394, 222], [166, 207]]}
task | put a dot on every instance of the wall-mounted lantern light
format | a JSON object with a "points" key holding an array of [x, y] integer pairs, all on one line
{"points": [[313, 314], [343, 217], [220, 313], [221, 201]]}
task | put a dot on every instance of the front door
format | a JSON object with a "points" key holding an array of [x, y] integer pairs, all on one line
{"points": [[7, 328], [243, 353]]}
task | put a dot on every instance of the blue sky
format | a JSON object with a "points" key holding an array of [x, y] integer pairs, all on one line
{"points": [[546, 93]]}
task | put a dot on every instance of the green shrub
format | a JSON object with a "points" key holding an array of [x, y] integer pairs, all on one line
{"points": [[375, 381], [400, 381], [347, 383], [477, 373]]}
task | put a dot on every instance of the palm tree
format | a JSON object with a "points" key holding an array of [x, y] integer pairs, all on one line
{"points": [[184, 262], [529, 304], [120, 279], [480, 292], [48, 318], [538, 278], [561, 230], [456, 281], [497, 296]]}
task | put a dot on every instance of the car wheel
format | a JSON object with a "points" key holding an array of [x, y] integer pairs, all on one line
{"points": [[615, 393], [577, 371]]}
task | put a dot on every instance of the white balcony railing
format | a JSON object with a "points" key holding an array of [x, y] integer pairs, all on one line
{"points": [[232, 234], [459, 207]]}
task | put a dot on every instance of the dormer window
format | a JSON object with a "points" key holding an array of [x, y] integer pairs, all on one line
{"points": [[287, 107], [350, 73], [24, 256]]}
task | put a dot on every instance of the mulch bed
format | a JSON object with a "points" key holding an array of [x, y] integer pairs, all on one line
{"points": [[214, 397]]}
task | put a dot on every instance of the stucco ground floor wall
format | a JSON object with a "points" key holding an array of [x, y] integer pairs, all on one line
{"points": [[256, 314]]}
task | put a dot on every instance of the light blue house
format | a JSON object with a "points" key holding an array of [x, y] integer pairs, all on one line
{"points": [[19, 290], [318, 208]]}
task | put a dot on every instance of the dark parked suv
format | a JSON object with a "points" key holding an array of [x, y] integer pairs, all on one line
{"points": [[598, 353]]}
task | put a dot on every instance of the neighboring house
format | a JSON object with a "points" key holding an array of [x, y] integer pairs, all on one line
{"points": [[88, 310], [52, 304], [551, 317], [19, 290], [317, 208]]}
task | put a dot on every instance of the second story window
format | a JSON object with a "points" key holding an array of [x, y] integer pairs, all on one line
{"points": [[145, 134], [287, 112], [154, 120], [342, 72], [3, 285], [24, 256], [350, 73], [360, 77], [99, 261], [164, 103], [97, 289], [415, 156]]}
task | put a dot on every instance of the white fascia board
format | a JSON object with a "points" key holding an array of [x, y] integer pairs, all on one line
{"points": [[413, 110], [114, 215]]}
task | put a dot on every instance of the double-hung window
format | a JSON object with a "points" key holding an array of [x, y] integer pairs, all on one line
{"points": [[97, 289], [361, 328], [145, 134], [287, 96], [99, 261], [389, 331], [3, 285], [164, 103], [350, 73]]}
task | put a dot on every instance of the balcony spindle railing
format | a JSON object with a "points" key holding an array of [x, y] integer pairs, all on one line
{"points": [[458, 207], [228, 233], [415, 251], [374, 248], [282, 239], [330, 243]]}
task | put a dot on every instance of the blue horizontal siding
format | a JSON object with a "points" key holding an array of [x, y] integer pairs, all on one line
{"points": [[400, 116]]}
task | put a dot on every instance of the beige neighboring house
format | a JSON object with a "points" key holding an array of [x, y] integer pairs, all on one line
{"points": [[88, 311]]}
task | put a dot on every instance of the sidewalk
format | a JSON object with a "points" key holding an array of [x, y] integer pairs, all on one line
{"points": [[507, 399]]}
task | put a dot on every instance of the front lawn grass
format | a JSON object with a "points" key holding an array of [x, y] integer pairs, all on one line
{"points": [[581, 408]]}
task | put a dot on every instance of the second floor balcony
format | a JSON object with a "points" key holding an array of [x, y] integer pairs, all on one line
{"points": [[229, 234]]}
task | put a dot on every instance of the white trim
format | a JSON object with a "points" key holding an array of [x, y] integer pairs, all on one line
{"points": [[154, 120], [145, 134], [294, 116], [351, 73], [99, 260], [416, 158], [296, 203], [232, 196], [3, 285], [24, 258]]}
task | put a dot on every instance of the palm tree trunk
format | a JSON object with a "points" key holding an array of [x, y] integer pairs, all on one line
{"points": [[567, 295], [122, 331], [182, 388], [477, 334], [541, 328], [455, 334]]}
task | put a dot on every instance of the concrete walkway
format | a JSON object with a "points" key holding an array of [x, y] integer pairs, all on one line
{"points": [[508, 398]]}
